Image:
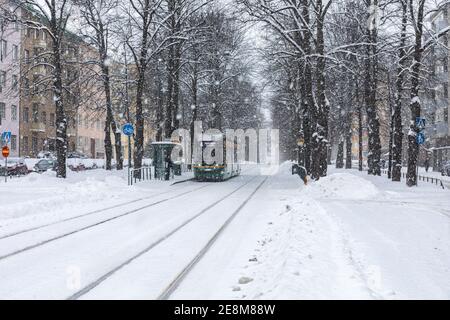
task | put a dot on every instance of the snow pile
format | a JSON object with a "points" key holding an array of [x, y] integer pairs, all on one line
{"points": [[38, 194], [342, 186], [301, 255]]}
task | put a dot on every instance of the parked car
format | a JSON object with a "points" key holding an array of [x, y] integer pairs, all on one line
{"points": [[76, 155], [77, 167], [445, 169], [16, 167], [44, 165], [47, 155]]}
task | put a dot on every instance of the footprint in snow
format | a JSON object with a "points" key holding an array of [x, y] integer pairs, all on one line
{"points": [[245, 280]]}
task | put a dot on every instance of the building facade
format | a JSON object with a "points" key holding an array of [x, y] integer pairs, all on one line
{"points": [[27, 106], [438, 107], [10, 46]]}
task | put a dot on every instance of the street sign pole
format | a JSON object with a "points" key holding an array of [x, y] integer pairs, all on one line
{"points": [[5, 154], [128, 130], [129, 152], [420, 140]]}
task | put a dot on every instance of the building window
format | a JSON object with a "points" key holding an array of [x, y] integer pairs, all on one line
{"points": [[3, 50], [34, 143], [52, 119], [16, 53], [13, 113], [13, 142], [86, 122], [25, 145], [445, 115], [2, 111], [15, 82], [2, 80], [445, 90], [26, 114], [44, 117], [35, 113], [27, 55]]}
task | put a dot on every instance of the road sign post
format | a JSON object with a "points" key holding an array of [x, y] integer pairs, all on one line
{"points": [[420, 140], [128, 130], [5, 154]]}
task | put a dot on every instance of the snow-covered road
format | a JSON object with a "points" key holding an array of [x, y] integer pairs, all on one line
{"points": [[254, 237]]}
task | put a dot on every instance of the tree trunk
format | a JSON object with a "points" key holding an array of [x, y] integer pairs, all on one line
{"points": [[397, 139], [360, 139], [348, 146], [370, 84], [142, 69], [61, 119], [111, 123], [413, 147], [340, 155], [321, 134]]}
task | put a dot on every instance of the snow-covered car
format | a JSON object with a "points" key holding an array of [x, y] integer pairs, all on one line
{"points": [[76, 155], [445, 170], [44, 165], [76, 166], [15, 167], [47, 155]]}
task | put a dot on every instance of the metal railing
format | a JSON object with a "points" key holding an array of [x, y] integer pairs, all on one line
{"points": [[139, 175], [432, 180]]}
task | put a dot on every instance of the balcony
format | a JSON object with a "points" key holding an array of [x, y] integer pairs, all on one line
{"points": [[37, 127]]}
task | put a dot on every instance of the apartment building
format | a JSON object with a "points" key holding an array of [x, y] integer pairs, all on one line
{"points": [[438, 106], [10, 46], [27, 106]]}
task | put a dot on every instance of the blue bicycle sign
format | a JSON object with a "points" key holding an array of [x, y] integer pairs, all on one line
{"points": [[128, 129], [420, 138]]}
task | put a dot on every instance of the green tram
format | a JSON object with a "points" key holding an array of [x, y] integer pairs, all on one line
{"points": [[217, 171]]}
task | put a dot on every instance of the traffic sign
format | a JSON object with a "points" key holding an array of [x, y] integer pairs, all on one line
{"points": [[128, 129], [420, 123], [420, 138], [6, 137], [5, 152]]}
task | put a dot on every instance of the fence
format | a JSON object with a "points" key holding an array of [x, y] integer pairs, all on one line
{"points": [[436, 181], [141, 174]]}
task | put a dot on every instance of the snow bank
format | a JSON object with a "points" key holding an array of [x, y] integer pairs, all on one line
{"points": [[301, 255], [36, 194], [342, 186]]}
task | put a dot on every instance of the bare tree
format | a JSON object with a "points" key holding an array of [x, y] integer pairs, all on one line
{"points": [[98, 17]]}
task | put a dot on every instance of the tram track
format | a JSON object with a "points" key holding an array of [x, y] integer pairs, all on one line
{"points": [[119, 205], [16, 233], [168, 235], [92, 225], [172, 287]]}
